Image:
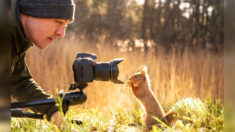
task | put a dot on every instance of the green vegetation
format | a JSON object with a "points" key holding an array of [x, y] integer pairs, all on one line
{"points": [[120, 120]]}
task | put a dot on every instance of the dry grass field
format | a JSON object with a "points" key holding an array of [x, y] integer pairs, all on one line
{"points": [[112, 107], [173, 75]]}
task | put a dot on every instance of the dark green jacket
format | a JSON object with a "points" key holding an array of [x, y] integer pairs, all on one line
{"points": [[23, 87]]}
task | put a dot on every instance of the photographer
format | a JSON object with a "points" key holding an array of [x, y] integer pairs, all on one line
{"points": [[35, 22]]}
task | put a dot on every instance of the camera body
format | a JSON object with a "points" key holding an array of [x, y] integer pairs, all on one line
{"points": [[86, 70]]}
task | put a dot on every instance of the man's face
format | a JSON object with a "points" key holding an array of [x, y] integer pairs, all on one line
{"points": [[42, 31]]}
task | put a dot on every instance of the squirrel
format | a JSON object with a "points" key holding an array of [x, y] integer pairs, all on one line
{"points": [[140, 86]]}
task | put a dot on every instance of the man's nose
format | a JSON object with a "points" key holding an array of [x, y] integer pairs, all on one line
{"points": [[60, 32]]}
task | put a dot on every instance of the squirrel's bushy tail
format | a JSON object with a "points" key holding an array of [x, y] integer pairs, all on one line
{"points": [[170, 118]]}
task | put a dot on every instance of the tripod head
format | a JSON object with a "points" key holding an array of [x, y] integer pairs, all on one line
{"points": [[78, 86]]}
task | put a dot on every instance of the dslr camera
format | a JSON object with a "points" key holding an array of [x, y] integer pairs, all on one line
{"points": [[86, 70]]}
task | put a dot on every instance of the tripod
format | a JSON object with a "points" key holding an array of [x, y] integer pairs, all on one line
{"points": [[68, 99]]}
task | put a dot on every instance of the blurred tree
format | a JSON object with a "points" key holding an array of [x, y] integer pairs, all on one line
{"points": [[115, 14], [193, 23], [81, 17]]}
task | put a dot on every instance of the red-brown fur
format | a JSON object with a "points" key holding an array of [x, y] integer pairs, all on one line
{"points": [[140, 86]]}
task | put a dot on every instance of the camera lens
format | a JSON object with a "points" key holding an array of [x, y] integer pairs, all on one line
{"points": [[102, 71], [105, 71]]}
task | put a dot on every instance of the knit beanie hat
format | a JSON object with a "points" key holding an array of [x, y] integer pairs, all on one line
{"points": [[58, 9]]}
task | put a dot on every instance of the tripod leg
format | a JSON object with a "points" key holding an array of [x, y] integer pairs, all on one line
{"points": [[76, 121], [21, 113]]}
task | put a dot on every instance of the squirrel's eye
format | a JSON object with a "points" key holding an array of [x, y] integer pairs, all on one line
{"points": [[135, 77]]}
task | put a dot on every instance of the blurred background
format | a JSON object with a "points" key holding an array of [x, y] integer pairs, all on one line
{"points": [[180, 41], [192, 23]]}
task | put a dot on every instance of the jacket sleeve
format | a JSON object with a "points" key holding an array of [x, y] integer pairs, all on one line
{"points": [[24, 88]]}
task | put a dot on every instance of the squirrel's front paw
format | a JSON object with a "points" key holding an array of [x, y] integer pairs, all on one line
{"points": [[129, 84]]}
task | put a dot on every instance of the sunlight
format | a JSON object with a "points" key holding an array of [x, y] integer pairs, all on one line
{"points": [[186, 14], [184, 5], [210, 9], [140, 2], [139, 43]]}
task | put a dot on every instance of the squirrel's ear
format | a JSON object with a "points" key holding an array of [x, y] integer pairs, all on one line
{"points": [[143, 72], [140, 68], [145, 69]]}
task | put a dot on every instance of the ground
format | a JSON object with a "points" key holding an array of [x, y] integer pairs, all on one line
{"points": [[120, 120]]}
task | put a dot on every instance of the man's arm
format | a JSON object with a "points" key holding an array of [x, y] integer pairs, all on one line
{"points": [[24, 88]]}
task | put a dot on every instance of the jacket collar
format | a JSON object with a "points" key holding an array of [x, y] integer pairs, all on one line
{"points": [[20, 41]]}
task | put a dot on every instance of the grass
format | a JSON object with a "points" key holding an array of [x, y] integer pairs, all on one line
{"points": [[112, 107], [174, 75], [120, 120]]}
